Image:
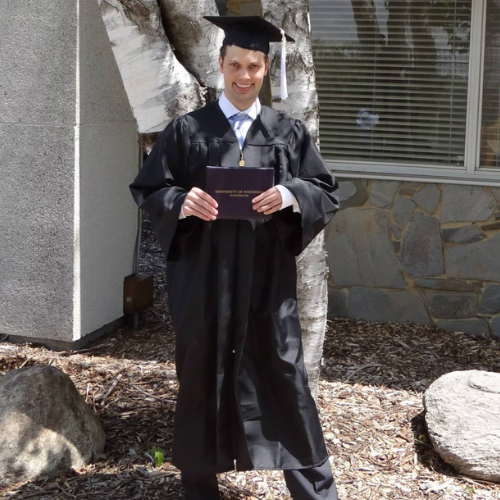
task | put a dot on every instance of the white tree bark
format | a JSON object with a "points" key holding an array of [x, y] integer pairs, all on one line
{"points": [[157, 85], [302, 103], [196, 41]]}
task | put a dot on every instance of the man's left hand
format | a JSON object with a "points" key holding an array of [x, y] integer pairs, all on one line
{"points": [[268, 202]]}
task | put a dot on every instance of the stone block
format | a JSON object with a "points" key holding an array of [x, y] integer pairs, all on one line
{"points": [[476, 327], [428, 198], [495, 328], [353, 193], [494, 226], [465, 234], [445, 284], [403, 210], [496, 193], [382, 193], [490, 301], [452, 305], [377, 305], [422, 250], [406, 190], [38, 61], [360, 250], [476, 261], [466, 203], [337, 303]]}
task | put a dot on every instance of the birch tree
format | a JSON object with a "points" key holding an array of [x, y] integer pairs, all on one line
{"points": [[180, 63]]}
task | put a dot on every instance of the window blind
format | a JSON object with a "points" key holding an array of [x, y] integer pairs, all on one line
{"points": [[392, 79], [490, 121]]}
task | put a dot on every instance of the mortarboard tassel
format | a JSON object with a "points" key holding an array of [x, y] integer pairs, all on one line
{"points": [[283, 88]]}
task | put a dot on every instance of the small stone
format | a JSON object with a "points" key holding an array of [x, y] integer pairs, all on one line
{"points": [[428, 198], [382, 193], [378, 305], [406, 190], [490, 302], [448, 284], [452, 305], [466, 203], [422, 250], [476, 327], [475, 261], [403, 210], [396, 245], [465, 234], [491, 227], [329, 436], [337, 303], [462, 420]]}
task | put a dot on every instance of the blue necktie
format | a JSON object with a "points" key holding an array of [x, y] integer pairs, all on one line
{"points": [[236, 122]]}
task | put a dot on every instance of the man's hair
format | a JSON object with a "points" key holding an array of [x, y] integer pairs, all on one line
{"points": [[223, 52]]}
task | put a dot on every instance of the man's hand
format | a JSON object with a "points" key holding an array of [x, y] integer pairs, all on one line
{"points": [[269, 201], [201, 204]]}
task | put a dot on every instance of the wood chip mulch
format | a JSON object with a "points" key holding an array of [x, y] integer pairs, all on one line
{"points": [[370, 401]]}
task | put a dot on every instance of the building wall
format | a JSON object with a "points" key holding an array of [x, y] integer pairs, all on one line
{"points": [[426, 253], [68, 149]]}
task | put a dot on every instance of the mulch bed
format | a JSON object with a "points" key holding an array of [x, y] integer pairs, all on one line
{"points": [[370, 401]]}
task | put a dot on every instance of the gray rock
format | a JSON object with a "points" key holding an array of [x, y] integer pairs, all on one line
{"points": [[406, 190], [490, 302], [382, 193], [397, 246], [47, 428], [422, 250], [452, 305], [353, 193], [428, 198], [360, 250], [396, 231], [475, 261], [476, 327], [444, 284], [466, 203], [403, 210], [378, 305], [465, 234], [495, 328], [496, 193], [337, 303], [463, 424]]}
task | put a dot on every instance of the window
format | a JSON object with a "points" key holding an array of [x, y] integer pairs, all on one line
{"points": [[409, 87]]}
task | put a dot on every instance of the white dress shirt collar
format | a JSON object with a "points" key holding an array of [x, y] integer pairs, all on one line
{"points": [[229, 109]]}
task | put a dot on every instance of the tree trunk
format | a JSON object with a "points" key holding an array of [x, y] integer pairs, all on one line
{"points": [[196, 41], [157, 85], [302, 103]]}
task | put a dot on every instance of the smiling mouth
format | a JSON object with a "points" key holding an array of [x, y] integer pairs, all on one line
{"points": [[243, 87]]}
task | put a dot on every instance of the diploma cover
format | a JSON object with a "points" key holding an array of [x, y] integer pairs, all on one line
{"points": [[234, 188]]}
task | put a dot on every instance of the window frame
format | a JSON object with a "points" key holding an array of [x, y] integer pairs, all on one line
{"points": [[470, 173]]}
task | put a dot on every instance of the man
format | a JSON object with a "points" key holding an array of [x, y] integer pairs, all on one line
{"points": [[243, 399]]}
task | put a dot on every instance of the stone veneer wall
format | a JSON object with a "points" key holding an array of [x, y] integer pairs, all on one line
{"points": [[409, 251]]}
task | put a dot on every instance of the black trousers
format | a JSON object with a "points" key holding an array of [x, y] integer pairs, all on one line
{"points": [[315, 483]]}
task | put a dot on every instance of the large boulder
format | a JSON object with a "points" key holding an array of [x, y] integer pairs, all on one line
{"points": [[46, 428], [462, 416]]}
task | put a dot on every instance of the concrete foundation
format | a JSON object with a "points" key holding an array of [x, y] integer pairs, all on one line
{"points": [[68, 150]]}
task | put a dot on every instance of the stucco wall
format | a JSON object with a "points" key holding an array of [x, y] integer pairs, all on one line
{"points": [[67, 152], [427, 253]]}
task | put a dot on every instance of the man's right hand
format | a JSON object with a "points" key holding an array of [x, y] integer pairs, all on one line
{"points": [[201, 204]]}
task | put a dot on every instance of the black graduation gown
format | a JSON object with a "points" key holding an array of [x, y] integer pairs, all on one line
{"points": [[232, 292]]}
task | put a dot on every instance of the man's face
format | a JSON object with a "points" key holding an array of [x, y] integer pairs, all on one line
{"points": [[244, 71]]}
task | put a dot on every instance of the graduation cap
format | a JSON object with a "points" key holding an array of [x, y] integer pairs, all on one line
{"points": [[254, 33]]}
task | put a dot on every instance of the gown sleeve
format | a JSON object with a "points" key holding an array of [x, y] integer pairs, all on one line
{"points": [[162, 185], [315, 189]]}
